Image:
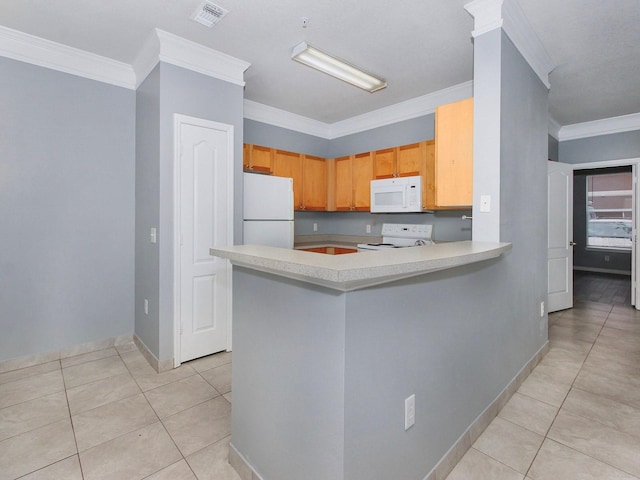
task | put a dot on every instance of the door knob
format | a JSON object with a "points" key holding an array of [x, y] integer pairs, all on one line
{"points": [[572, 244]]}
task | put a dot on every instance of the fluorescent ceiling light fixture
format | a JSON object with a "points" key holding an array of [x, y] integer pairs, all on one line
{"points": [[314, 58]]}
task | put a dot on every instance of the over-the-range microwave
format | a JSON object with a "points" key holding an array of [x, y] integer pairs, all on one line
{"points": [[395, 195]]}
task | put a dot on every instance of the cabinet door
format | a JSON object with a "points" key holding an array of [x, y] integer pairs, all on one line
{"points": [[429, 176], [261, 159], [289, 164], [343, 183], [454, 154], [246, 156], [409, 159], [314, 188], [384, 163], [362, 168]]}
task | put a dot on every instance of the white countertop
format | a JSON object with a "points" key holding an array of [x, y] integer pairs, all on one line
{"points": [[359, 270]]}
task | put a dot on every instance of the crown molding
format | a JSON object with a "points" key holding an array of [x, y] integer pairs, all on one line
{"points": [[413, 108], [160, 46], [554, 128], [56, 56], [517, 27], [169, 48], [606, 126], [487, 15], [281, 118], [507, 14]]}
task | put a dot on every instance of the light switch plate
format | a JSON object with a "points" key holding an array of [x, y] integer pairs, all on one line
{"points": [[485, 203]]}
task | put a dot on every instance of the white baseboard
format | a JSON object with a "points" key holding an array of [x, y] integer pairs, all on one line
{"points": [[158, 365], [603, 270], [31, 360]]}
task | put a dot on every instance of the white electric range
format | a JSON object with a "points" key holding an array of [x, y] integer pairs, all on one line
{"points": [[400, 235]]}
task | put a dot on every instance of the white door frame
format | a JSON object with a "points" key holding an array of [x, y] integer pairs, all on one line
{"points": [[634, 163], [178, 121]]}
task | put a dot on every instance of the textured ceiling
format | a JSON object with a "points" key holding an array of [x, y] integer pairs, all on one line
{"points": [[418, 46]]}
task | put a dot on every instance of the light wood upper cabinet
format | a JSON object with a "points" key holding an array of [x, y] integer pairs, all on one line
{"points": [[351, 179], [344, 184], [258, 159], [314, 186], [289, 164], [384, 163], [362, 174], [403, 161], [309, 176], [343, 181], [454, 155], [410, 160]]}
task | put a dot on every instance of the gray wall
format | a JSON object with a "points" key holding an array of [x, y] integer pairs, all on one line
{"points": [[523, 202], [447, 225], [614, 146], [258, 133], [188, 93], [66, 210], [554, 145], [147, 261], [288, 377], [400, 133]]}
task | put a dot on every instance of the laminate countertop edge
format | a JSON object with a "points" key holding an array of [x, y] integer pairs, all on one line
{"points": [[359, 270]]}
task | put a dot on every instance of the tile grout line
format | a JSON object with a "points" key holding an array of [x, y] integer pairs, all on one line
{"points": [[73, 429], [546, 436]]}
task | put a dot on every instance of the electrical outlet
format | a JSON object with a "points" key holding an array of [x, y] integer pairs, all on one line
{"points": [[368, 229], [409, 412], [315, 227], [606, 258], [146, 306], [153, 236], [542, 308]]}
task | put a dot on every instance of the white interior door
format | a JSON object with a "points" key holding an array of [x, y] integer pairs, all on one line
{"points": [[560, 235], [205, 171]]}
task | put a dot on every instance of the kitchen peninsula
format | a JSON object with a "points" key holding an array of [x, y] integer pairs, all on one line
{"points": [[327, 349]]}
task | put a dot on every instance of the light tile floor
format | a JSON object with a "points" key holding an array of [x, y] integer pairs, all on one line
{"points": [[577, 416], [109, 415]]}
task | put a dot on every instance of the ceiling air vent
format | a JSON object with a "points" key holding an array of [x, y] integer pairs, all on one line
{"points": [[208, 14]]}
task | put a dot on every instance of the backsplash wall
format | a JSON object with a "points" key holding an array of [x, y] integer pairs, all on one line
{"points": [[447, 226]]}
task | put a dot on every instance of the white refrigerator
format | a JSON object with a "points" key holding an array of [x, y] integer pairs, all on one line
{"points": [[268, 210]]}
